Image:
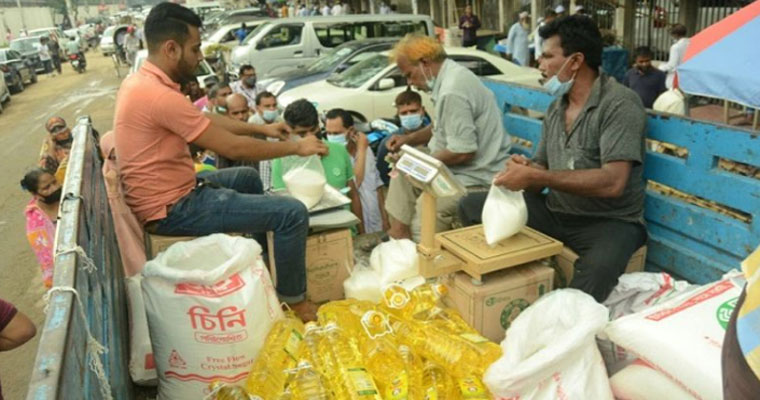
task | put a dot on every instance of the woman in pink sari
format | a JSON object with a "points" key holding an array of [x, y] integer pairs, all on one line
{"points": [[41, 215]]}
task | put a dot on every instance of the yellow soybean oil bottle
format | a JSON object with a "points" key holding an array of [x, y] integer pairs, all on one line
{"points": [[382, 357], [308, 384], [472, 388], [223, 391], [436, 384], [348, 375], [278, 355]]}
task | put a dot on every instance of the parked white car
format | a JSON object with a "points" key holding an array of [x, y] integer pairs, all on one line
{"points": [[5, 92], [226, 34], [371, 86], [205, 73]]}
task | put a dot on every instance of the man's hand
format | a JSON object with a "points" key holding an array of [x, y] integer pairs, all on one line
{"points": [[279, 130], [518, 158], [516, 176], [311, 145], [394, 143], [361, 140]]}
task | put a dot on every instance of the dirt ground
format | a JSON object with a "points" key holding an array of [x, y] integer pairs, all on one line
{"points": [[70, 96]]}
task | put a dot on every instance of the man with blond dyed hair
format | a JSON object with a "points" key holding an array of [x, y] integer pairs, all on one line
{"points": [[468, 135]]}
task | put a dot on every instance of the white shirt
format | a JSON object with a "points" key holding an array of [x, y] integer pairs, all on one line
{"points": [[538, 41], [371, 217], [337, 10], [671, 101], [326, 10], [384, 9], [677, 51], [303, 12], [250, 94], [517, 44]]}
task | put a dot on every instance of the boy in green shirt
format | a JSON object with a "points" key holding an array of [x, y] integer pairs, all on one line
{"points": [[302, 118]]}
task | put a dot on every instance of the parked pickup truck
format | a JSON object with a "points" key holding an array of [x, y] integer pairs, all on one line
{"points": [[702, 212]]}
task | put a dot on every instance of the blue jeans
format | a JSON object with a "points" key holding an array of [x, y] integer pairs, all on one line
{"points": [[232, 201]]}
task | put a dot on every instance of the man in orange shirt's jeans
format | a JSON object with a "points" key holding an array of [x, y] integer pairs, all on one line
{"points": [[153, 125]]}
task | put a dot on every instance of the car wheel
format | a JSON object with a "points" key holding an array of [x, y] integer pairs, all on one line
{"points": [[18, 87]]}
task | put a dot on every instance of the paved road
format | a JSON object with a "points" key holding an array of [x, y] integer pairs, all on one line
{"points": [[69, 95]]}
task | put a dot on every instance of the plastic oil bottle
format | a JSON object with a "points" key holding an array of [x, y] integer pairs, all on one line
{"points": [[413, 366], [279, 354], [222, 391], [472, 388], [348, 376], [308, 384], [382, 357], [345, 313], [451, 352], [436, 384], [310, 346]]}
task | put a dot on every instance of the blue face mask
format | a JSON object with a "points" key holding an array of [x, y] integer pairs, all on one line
{"points": [[270, 115], [429, 82], [411, 122], [339, 138], [557, 88]]}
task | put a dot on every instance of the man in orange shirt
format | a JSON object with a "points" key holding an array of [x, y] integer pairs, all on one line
{"points": [[153, 125]]}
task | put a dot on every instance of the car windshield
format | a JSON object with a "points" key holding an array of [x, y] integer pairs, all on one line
{"points": [[360, 73], [329, 60], [25, 45], [255, 32]]}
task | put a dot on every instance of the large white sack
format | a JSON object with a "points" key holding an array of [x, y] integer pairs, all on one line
{"points": [[683, 336], [504, 214], [395, 260], [142, 367], [550, 352], [640, 381], [635, 292], [363, 284], [210, 305]]}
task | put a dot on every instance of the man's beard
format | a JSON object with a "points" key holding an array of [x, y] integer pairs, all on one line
{"points": [[185, 71]]}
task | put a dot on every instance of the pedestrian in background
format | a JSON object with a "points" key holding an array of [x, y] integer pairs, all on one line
{"points": [[517, 41], [55, 52], [648, 82], [677, 51], [469, 24]]}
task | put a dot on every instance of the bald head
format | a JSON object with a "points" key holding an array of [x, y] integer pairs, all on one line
{"points": [[237, 107]]}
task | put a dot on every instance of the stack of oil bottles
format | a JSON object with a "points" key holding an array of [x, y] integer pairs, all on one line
{"points": [[408, 347]]}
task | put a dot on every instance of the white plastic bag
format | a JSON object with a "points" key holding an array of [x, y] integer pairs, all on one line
{"points": [[142, 367], [640, 381], [304, 178], [210, 305], [363, 284], [683, 336], [504, 214], [550, 352], [635, 292], [395, 260]]}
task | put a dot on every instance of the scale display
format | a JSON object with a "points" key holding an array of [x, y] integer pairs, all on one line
{"points": [[429, 173]]}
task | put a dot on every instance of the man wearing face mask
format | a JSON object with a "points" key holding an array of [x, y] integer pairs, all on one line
{"points": [[339, 127], [153, 125], [648, 82], [517, 40], [56, 147], [266, 112], [412, 118], [590, 157], [247, 85], [468, 135], [217, 99]]}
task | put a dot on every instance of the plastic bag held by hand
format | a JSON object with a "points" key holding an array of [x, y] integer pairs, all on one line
{"points": [[550, 351], [504, 214], [304, 178]]}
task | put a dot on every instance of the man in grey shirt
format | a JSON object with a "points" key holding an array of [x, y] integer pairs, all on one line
{"points": [[468, 135], [590, 157]]}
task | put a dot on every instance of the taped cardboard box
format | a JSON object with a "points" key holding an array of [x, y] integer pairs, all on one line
{"points": [[329, 261], [492, 306], [565, 261]]}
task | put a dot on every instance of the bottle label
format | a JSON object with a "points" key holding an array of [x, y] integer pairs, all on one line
{"points": [[398, 388], [431, 394], [362, 382], [474, 338], [293, 343], [472, 389]]}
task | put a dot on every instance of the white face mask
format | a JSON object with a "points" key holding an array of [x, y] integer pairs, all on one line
{"points": [[557, 88], [429, 82]]}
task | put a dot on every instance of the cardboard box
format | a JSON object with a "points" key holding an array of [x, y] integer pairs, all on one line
{"points": [[469, 244], [564, 265], [492, 306], [329, 261]]}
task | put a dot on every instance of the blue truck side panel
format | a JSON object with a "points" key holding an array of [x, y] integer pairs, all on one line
{"points": [[686, 240]]}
